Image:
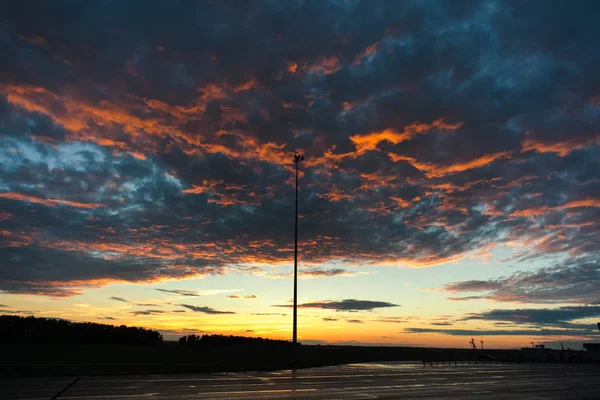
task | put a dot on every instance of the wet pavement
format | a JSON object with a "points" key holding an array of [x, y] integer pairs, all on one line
{"points": [[353, 381]]}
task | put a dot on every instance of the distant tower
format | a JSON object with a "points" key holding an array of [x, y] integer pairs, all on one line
{"points": [[473, 346]]}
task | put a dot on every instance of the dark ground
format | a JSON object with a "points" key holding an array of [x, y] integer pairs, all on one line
{"points": [[356, 381], [45, 360]]}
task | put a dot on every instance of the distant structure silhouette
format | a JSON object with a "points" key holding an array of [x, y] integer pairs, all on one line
{"points": [[297, 159], [473, 346]]}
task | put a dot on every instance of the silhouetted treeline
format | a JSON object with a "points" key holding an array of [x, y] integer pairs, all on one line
{"points": [[221, 340], [31, 329]]}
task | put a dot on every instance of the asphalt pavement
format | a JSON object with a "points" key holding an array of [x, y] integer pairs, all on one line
{"points": [[353, 381]]}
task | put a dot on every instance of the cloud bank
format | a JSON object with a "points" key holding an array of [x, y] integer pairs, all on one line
{"points": [[147, 143]]}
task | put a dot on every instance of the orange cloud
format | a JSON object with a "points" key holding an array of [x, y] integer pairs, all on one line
{"points": [[437, 170], [369, 50], [5, 216], [401, 202], [562, 148], [370, 141], [245, 86], [347, 106], [376, 180], [15, 239], [588, 202], [228, 200], [221, 193], [335, 195], [81, 119], [36, 40], [178, 112], [212, 92], [47, 202], [528, 212], [38, 99], [157, 249], [424, 260], [292, 67], [327, 65], [451, 187]]}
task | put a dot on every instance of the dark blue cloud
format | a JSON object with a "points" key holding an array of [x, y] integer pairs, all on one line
{"points": [[346, 305], [503, 332], [180, 292], [147, 312], [574, 280], [539, 316]]}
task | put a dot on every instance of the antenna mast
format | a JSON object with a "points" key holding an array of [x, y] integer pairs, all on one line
{"points": [[473, 346]]}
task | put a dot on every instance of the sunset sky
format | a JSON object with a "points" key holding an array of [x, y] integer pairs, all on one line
{"points": [[451, 187]]}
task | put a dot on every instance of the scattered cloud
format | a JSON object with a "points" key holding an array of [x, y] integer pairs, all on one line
{"points": [[269, 314], [205, 310], [180, 292], [575, 280], [345, 305], [467, 298], [249, 296], [561, 316], [120, 299], [500, 332], [560, 321], [147, 312], [322, 272], [394, 320], [23, 312]]}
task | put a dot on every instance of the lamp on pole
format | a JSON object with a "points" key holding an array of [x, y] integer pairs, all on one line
{"points": [[297, 159]]}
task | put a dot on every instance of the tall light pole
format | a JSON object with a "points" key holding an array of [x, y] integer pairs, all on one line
{"points": [[297, 159]]}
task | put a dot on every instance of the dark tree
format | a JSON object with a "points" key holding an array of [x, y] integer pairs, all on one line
{"points": [[15, 329], [221, 340]]}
